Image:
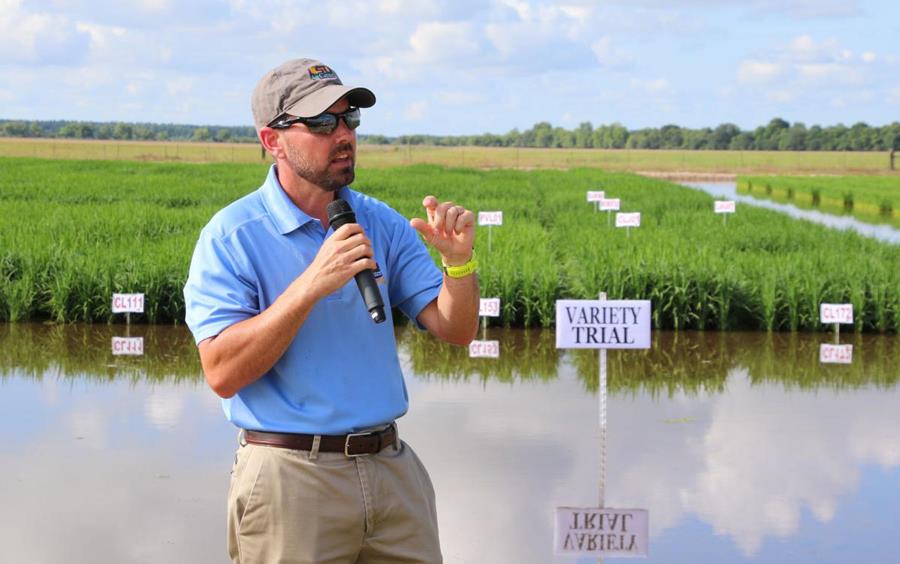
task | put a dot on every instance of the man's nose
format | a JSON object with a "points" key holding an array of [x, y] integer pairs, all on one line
{"points": [[342, 132]]}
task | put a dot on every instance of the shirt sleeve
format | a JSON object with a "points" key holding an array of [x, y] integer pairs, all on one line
{"points": [[414, 280], [220, 290]]}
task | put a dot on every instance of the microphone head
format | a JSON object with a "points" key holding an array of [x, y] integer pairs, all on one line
{"points": [[340, 213]]}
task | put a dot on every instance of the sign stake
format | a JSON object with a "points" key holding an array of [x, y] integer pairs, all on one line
{"points": [[602, 394]]}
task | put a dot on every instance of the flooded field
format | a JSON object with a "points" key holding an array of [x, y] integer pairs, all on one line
{"points": [[743, 447]]}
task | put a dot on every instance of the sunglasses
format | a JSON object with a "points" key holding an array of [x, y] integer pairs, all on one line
{"points": [[323, 123]]}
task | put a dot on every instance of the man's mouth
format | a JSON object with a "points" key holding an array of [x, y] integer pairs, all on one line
{"points": [[342, 158]]}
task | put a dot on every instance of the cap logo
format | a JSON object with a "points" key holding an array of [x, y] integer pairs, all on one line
{"points": [[321, 72]]}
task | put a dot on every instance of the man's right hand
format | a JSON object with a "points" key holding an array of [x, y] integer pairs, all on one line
{"points": [[342, 256], [243, 352]]}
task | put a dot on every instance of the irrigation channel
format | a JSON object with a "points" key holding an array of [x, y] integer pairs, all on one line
{"points": [[743, 447], [728, 190]]}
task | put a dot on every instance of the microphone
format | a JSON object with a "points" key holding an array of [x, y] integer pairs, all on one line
{"points": [[339, 214]]}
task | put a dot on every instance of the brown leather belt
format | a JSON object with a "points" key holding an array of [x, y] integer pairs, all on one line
{"points": [[353, 444]]}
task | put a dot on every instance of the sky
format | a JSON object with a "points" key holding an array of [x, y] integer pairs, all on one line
{"points": [[460, 67]]}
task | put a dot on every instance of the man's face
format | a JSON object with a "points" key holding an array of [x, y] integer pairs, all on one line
{"points": [[324, 159]]}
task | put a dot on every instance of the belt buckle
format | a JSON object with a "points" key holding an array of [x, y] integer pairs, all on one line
{"points": [[347, 444]]}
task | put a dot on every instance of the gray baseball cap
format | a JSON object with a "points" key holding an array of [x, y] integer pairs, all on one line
{"points": [[302, 88]]}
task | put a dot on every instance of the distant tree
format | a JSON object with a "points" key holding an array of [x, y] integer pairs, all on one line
{"points": [[563, 138], [584, 135], [223, 135], [722, 135], [891, 136], [543, 134], [742, 142], [123, 131], [14, 129], [201, 134], [672, 137], [77, 130], [793, 138]]}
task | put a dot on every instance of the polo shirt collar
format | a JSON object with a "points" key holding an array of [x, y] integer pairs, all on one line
{"points": [[284, 213]]}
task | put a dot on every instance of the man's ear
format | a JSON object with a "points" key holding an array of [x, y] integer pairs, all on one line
{"points": [[270, 141]]}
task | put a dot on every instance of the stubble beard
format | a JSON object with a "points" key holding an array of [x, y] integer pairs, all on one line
{"points": [[325, 178]]}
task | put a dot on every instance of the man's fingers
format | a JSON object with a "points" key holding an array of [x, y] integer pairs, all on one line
{"points": [[346, 231], [464, 220], [453, 213], [424, 228], [430, 203]]}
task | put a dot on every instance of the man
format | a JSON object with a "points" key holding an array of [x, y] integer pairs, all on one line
{"points": [[285, 339]]}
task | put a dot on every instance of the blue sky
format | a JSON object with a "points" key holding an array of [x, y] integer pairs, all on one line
{"points": [[460, 67]]}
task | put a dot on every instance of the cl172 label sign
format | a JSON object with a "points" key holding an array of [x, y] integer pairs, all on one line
{"points": [[836, 313]]}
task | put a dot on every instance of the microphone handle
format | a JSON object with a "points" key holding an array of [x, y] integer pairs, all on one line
{"points": [[371, 295]]}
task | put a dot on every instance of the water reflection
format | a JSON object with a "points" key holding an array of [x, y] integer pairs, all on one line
{"points": [[729, 190], [742, 446]]}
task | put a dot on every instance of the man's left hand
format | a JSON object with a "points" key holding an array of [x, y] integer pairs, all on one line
{"points": [[450, 229]]}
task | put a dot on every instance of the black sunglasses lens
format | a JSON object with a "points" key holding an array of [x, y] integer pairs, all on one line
{"points": [[351, 118], [322, 123]]}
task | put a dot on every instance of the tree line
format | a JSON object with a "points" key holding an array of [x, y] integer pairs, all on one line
{"points": [[777, 135]]}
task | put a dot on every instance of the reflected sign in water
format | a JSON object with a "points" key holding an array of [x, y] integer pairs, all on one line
{"points": [[743, 446]]}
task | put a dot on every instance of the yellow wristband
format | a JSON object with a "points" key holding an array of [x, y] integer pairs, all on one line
{"points": [[463, 269]]}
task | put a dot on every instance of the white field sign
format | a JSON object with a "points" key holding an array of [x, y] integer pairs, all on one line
{"points": [[489, 307], [128, 303], [722, 206], [490, 218], [835, 354], [592, 531], [607, 324], [611, 204], [628, 219], [484, 349], [133, 346], [836, 313], [595, 196]]}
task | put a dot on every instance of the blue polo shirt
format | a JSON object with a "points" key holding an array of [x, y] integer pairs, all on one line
{"points": [[341, 373]]}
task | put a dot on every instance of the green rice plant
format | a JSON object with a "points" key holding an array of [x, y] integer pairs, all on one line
{"points": [[848, 201], [867, 198], [77, 232]]}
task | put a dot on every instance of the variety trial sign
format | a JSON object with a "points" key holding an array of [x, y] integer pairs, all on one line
{"points": [[593, 531], [606, 324]]}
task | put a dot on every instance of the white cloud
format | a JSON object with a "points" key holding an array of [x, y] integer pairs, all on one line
{"points": [[758, 71], [608, 55], [652, 86], [782, 96], [39, 37], [442, 41], [416, 111], [460, 97], [869, 57], [829, 72]]}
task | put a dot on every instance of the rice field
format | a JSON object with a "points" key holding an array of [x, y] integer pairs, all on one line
{"points": [[74, 232], [873, 199], [382, 156]]}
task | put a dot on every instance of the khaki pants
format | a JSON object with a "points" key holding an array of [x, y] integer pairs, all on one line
{"points": [[288, 506]]}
